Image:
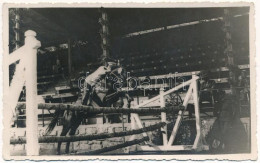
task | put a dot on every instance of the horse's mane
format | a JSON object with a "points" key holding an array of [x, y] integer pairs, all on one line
{"points": [[119, 76]]}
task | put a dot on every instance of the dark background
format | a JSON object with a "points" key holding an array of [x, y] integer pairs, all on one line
{"points": [[188, 48]]}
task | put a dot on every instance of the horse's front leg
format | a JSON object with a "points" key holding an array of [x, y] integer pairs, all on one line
{"points": [[67, 122], [129, 100], [77, 121], [64, 132]]}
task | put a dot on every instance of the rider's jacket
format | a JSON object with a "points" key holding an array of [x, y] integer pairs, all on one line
{"points": [[93, 78]]}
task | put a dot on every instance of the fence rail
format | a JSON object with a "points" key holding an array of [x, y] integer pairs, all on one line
{"points": [[97, 110], [55, 139]]}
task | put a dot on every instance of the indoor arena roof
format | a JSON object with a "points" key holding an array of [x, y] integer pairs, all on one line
{"points": [[145, 40], [54, 25]]}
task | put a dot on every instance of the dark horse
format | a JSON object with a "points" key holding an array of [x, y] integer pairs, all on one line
{"points": [[104, 93], [228, 134]]}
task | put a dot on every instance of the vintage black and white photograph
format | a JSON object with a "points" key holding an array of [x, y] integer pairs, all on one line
{"points": [[115, 81]]}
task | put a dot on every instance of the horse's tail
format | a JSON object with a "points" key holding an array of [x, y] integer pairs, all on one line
{"points": [[54, 121]]}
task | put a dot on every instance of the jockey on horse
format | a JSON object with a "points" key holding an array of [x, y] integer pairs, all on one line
{"points": [[110, 75], [95, 85]]}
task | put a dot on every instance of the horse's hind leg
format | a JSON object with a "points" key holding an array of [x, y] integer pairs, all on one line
{"points": [[73, 131], [64, 132]]}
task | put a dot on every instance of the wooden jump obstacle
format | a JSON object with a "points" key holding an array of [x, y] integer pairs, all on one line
{"points": [[115, 147], [55, 139], [98, 110], [32, 140], [168, 143]]}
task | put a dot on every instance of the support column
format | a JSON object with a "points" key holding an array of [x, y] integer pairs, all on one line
{"points": [[17, 29], [104, 33], [69, 58], [229, 50], [227, 30]]}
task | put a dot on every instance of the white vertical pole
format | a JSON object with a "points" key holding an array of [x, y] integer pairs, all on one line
{"points": [[197, 112], [163, 118], [30, 60], [133, 125], [69, 58]]}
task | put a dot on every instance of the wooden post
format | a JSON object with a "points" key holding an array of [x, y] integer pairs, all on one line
{"points": [[104, 33], [197, 112], [42, 118], [231, 62], [69, 58], [133, 123], [31, 45], [133, 127], [17, 29], [163, 117]]}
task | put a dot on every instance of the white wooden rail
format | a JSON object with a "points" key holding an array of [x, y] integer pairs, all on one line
{"points": [[168, 144], [26, 72]]}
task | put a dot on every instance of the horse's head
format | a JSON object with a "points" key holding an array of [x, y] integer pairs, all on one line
{"points": [[118, 78], [117, 73]]}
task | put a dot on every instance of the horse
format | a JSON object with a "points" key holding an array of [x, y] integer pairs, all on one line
{"points": [[104, 93], [223, 136]]}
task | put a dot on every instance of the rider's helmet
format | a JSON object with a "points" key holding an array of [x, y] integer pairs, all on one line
{"points": [[110, 63]]}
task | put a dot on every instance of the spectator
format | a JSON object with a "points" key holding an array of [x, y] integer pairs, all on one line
{"points": [[206, 86], [244, 83], [206, 83]]}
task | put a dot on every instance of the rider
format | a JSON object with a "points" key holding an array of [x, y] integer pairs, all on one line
{"points": [[244, 83], [93, 79], [206, 83], [206, 86]]}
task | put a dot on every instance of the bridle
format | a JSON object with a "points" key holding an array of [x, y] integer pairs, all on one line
{"points": [[115, 75]]}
